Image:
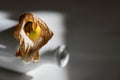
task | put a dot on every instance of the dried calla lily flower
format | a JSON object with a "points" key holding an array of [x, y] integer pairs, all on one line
{"points": [[32, 33]]}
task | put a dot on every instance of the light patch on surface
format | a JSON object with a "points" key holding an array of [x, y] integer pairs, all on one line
{"points": [[5, 22], [2, 46], [48, 72]]}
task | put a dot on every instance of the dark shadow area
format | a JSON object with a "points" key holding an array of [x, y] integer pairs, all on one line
{"points": [[8, 40], [10, 75], [93, 38], [16, 8]]}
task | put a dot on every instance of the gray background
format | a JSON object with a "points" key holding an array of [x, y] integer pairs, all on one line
{"points": [[93, 36]]}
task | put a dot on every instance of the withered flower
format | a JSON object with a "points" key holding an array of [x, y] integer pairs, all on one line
{"points": [[32, 34]]}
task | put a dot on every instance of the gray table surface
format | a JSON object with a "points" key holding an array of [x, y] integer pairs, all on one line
{"points": [[93, 36]]}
